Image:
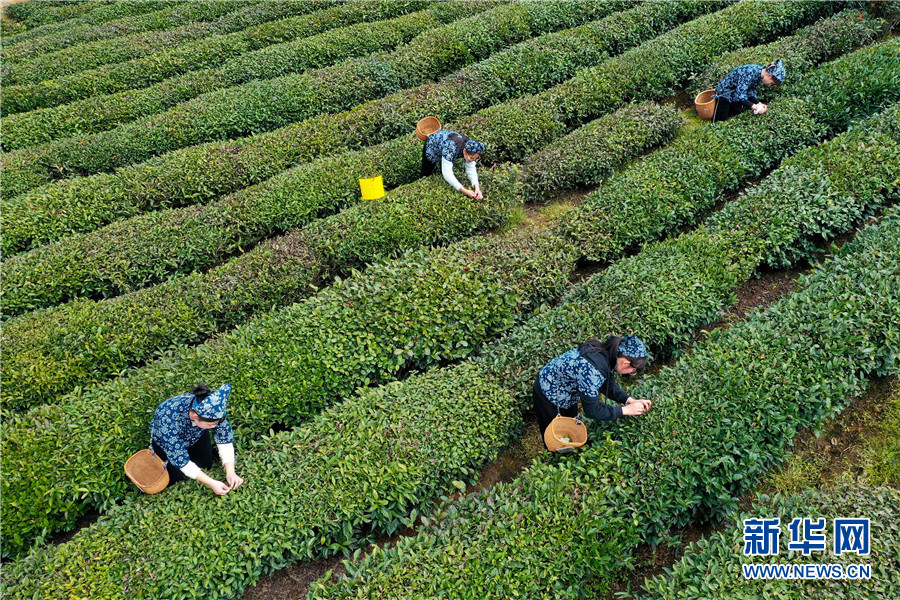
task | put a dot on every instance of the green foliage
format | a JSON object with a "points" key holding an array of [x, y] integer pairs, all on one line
{"points": [[881, 452], [703, 443], [46, 354], [574, 161], [713, 566], [201, 173], [801, 52], [107, 20], [37, 14], [428, 307], [659, 67], [688, 176], [140, 72], [371, 464]]}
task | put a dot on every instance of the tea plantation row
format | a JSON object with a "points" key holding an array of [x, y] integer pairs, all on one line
{"points": [[721, 417], [243, 162], [344, 449], [46, 354], [712, 568], [99, 113], [268, 104]]}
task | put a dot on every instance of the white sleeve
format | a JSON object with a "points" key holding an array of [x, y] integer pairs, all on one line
{"points": [[447, 172], [471, 173], [226, 453], [191, 469]]}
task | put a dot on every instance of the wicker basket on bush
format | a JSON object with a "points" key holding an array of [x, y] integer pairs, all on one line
{"points": [[565, 434], [147, 471], [426, 127], [705, 104]]}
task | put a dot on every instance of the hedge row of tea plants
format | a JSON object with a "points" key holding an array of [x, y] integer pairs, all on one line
{"points": [[46, 214], [713, 567], [47, 354], [802, 51], [816, 194], [260, 18], [99, 113], [671, 187], [113, 20], [284, 146], [728, 272], [37, 14], [264, 105], [42, 359], [721, 417], [309, 492], [519, 502], [90, 55], [412, 313], [149, 248]]}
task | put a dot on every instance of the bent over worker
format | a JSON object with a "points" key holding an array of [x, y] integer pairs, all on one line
{"points": [[737, 90], [180, 435], [446, 146], [582, 374]]}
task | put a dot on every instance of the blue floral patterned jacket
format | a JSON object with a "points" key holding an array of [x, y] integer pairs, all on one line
{"points": [[173, 431]]}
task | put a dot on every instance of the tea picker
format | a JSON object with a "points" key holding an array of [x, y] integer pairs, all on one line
{"points": [[445, 146], [580, 376], [180, 442], [737, 90]]}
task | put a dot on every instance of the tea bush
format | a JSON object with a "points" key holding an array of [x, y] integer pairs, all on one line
{"points": [[704, 442], [99, 113], [608, 302], [425, 308], [262, 18], [268, 104], [47, 354], [712, 567], [42, 359], [530, 520], [47, 213], [667, 190], [111, 20], [802, 51], [362, 466]]}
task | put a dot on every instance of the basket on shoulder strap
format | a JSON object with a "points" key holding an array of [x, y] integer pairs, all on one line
{"points": [[147, 471], [565, 434]]}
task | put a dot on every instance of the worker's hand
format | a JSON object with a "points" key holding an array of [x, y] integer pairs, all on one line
{"points": [[218, 487], [636, 408], [760, 108], [478, 194], [631, 400], [234, 480], [468, 193]]}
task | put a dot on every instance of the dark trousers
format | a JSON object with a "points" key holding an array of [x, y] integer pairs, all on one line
{"points": [[200, 453], [725, 109], [427, 165], [545, 410]]}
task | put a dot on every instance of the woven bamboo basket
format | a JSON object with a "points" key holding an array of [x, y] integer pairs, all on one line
{"points": [[147, 471], [565, 434], [705, 104], [426, 127]]}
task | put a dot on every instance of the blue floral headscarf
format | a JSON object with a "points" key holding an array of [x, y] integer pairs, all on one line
{"points": [[631, 346], [473, 147], [212, 408], [776, 69]]}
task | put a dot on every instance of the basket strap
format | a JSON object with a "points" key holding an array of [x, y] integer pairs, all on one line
{"points": [[165, 462]]}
